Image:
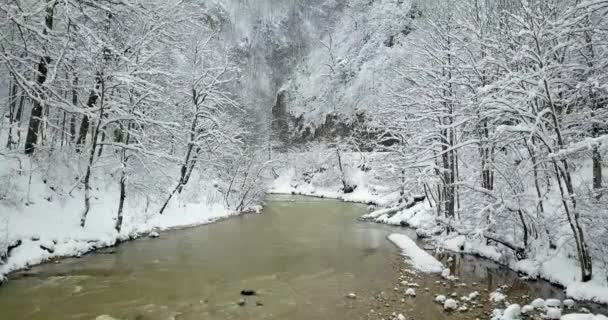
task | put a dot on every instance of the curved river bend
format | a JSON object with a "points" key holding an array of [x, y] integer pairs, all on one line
{"points": [[302, 256]]}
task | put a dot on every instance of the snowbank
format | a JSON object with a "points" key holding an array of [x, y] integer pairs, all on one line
{"points": [[583, 316], [417, 257], [49, 228]]}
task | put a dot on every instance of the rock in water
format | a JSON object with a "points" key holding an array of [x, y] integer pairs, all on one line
{"points": [[153, 234], [440, 298], [241, 302], [553, 303], [553, 313], [569, 303], [512, 312], [351, 295], [450, 304], [527, 309], [538, 303], [473, 295], [497, 296], [248, 292], [410, 292]]}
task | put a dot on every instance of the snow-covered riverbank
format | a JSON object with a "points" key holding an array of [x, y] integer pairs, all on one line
{"points": [[46, 225], [556, 265]]}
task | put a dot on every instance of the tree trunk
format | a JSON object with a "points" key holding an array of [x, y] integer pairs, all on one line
{"points": [[563, 173], [121, 202], [597, 169], [487, 181], [346, 188], [103, 139], [75, 104], [12, 109], [31, 140], [87, 178], [84, 125], [123, 179], [63, 128], [184, 175], [18, 117]]}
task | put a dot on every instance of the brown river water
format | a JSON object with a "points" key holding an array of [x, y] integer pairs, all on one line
{"points": [[302, 256]]}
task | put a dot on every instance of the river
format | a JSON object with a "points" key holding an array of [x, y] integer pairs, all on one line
{"points": [[302, 256]]}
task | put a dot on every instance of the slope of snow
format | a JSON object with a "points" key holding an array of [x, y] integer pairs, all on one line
{"points": [[417, 257], [49, 226]]}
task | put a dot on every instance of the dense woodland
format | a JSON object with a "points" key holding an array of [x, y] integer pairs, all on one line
{"points": [[497, 110], [504, 110]]}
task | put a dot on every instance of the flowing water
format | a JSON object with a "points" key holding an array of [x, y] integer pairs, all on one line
{"points": [[302, 256]]}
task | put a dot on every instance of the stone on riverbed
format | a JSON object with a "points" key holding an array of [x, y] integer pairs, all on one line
{"points": [[538, 303], [410, 292], [553, 313], [553, 303], [450, 305], [497, 296], [440, 298], [569, 303], [512, 312], [527, 309], [248, 292], [153, 234], [351, 295]]}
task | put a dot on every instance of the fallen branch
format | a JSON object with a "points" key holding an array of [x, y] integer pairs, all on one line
{"points": [[392, 211], [520, 252]]}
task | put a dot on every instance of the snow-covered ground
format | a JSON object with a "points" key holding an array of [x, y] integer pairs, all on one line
{"points": [[45, 224], [558, 268], [418, 258]]}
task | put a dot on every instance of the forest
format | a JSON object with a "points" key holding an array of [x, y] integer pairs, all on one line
{"points": [[483, 124]]}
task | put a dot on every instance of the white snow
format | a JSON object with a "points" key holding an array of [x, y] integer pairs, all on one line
{"points": [[569, 303], [105, 317], [583, 316], [553, 313], [538, 303], [591, 291], [54, 225], [445, 273], [553, 303], [417, 257], [512, 312], [527, 309], [497, 296], [450, 304], [473, 295]]}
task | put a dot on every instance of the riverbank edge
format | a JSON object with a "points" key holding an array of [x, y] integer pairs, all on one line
{"points": [[441, 243], [13, 273]]}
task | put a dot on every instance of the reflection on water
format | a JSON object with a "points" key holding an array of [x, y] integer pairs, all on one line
{"points": [[302, 258]]}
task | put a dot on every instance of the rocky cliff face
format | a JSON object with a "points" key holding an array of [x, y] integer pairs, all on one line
{"points": [[336, 90]]}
